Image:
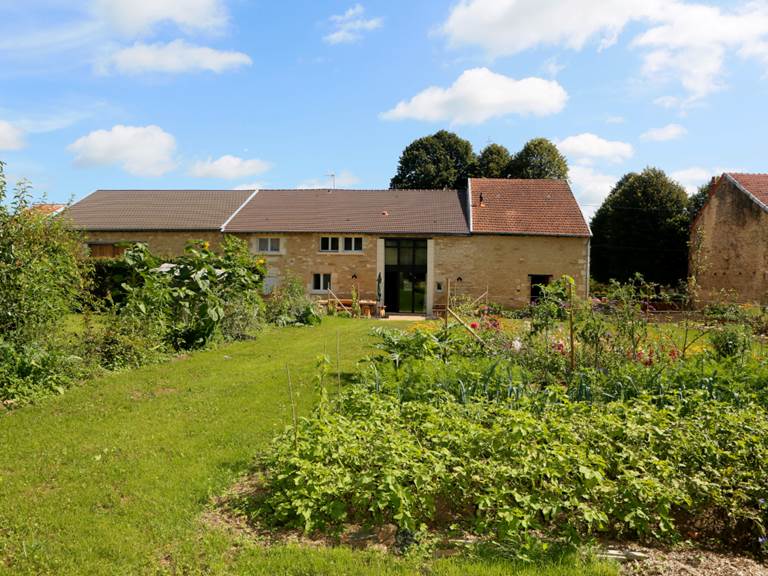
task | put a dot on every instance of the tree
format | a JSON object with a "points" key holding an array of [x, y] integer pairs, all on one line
{"points": [[43, 271], [442, 160], [642, 226], [698, 199], [539, 158], [493, 161]]}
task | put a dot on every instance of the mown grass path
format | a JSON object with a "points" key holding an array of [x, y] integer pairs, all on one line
{"points": [[112, 477]]}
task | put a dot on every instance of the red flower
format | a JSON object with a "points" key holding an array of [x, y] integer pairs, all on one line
{"points": [[473, 325]]}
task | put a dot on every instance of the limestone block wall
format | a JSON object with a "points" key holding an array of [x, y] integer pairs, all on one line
{"points": [[161, 243], [732, 255], [300, 257], [503, 263]]}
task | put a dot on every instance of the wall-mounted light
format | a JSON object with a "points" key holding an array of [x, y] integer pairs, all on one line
{"points": [[354, 276], [459, 279]]}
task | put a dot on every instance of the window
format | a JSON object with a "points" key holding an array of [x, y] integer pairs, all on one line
{"points": [[329, 244], [268, 244], [353, 244], [321, 282]]}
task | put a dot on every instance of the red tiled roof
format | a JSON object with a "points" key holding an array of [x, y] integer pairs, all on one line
{"points": [[156, 209], [46, 209], [755, 184], [532, 207], [374, 211]]}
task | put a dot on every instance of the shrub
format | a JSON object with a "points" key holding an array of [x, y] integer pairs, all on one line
{"points": [[198, 296], [731, 340], [289, 305], [42, 268]]}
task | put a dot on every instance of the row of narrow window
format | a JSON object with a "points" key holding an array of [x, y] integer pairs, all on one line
{"points": [[327, 244]]}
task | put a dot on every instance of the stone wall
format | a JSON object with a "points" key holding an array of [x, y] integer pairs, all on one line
{"points": [[732, 255], [300, 257], [502, 265], [168, 244]]}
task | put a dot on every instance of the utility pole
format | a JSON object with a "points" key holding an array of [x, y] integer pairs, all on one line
{"points": [[332, 176]]}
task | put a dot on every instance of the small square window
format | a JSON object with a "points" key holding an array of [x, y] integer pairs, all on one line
{"points": [[329, 244], [353, 244], [321, 282], [269, 244]]}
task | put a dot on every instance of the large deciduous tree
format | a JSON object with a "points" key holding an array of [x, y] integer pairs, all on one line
{"points": [[442, 160], [493, 161], [539, 158], [642, 226]]}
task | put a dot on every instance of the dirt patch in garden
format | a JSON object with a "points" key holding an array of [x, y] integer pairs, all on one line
{"points": [[690, 562]]}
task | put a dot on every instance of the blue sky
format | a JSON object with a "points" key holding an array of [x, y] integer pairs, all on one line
{"points": [[226, 93]]}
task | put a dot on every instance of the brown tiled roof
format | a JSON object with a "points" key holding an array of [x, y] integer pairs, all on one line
{"points": [[375, 211], [755, 184], [533, 207], [156, 209]]}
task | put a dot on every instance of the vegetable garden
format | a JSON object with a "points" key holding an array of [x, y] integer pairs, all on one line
{"points": [[584, 421]]}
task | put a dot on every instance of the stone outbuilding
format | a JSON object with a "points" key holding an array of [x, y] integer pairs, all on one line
{"points": [[404, 248], [729, 240]]}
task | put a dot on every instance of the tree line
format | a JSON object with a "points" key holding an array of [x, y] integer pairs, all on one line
{"points": [[641, 226]]}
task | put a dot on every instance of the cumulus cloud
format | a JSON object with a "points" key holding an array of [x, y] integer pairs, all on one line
{"points": [[350, 26], [590, 187], [229, 168], [588, 146], [693, 177], [139, 150], [135, 17], [480, 94], [668, 132], [172, 58], [11, 137], [681, 41], [344, 179]]}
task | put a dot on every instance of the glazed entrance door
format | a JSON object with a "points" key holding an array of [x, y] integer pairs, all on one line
{"points": [[405, 274]]}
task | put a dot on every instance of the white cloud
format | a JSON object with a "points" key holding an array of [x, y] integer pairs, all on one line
{"points": [[344, 179], [615, 120], [350, 26], [174, 57], [135, 17], [588, 146], [693, 177], [590, 187], [11, 137], [682, 42], [668, 132], [479, 94], [139, 150], [229, 168], [251, 186]]}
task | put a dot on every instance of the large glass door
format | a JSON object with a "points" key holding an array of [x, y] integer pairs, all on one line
{"points": [[405, 274]]}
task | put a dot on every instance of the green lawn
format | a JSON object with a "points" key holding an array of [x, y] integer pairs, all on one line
{"points": [[112, 477]]}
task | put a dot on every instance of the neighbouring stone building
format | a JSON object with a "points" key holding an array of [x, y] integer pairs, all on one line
{"points": [[729, 240], [405, 248]]}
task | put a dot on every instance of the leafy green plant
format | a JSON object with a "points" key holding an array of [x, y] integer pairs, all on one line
{"points": [[731, 340], [289, 305]]}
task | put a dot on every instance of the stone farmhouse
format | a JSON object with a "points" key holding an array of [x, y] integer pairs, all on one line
{"points": [[729, 240], [405, 248]]}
